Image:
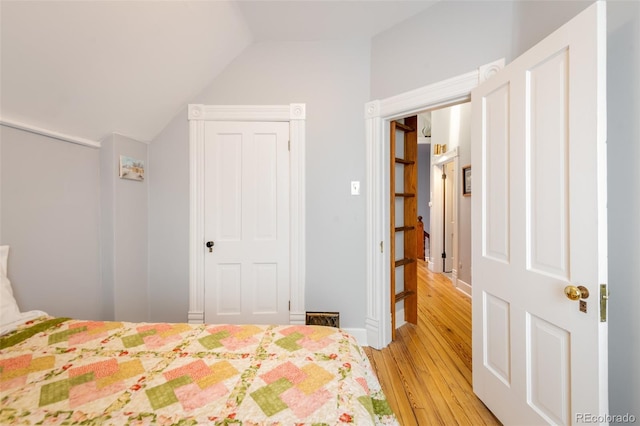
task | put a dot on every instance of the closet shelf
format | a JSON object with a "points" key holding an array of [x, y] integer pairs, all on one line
{"points": [[405, 228], [404, 127], [403, 161], [404, 294], [404, 261], [405, 194]]}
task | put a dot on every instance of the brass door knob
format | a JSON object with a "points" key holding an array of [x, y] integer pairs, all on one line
{"points": [[576, 293]]}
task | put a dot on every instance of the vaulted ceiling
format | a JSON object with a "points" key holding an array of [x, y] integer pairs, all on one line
{"points": [[91, 68]]}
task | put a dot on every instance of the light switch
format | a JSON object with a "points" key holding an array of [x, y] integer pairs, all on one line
{"points": [[355, 187]]}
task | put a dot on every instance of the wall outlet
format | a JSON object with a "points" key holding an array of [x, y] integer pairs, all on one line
{"points": [[355, 187]]}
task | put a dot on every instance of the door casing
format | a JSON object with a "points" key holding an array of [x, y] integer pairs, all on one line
{"points": [[378, 114], [295, 115]]}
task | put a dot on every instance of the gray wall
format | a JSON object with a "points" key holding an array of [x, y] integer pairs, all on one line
{"points": [[169, 222], [623, 111], [78, 234], [456, 37], [50, 218], [332, 78], [449, 39], [424, 182], [124, 232]]}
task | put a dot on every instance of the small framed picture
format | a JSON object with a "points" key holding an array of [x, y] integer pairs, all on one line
{"points": [[130, 168], [466, 180]]}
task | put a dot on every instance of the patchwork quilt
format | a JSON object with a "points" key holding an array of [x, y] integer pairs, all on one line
{"points": [[65, 371]]}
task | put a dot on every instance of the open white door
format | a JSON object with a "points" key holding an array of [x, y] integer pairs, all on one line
{"points": [[539, 225]]}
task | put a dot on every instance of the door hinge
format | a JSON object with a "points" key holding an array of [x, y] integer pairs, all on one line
{"points": [[289, 145], [289, 305], [381, 246], [604, 298]]}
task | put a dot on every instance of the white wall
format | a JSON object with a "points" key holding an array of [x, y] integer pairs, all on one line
{"points": [[456, 37], [452, 126], [332, 78], [50, 218], [623, 110], [124, 232]]}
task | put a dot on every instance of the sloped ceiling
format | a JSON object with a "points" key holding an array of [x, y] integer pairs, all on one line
{"points": [[88, 69], [309, 20]]}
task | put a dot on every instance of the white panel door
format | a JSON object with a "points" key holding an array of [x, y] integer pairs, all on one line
{"points": [[246, 212], [539, 225]]}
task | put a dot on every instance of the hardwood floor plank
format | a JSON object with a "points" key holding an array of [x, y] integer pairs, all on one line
{"points": [[387, 372], [426, 372]]}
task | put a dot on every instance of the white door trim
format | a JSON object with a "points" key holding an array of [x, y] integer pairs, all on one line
{"points": [[378, 113], [295, 114]]}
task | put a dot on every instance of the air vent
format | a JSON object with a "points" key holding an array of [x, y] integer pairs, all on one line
{"points": [[329, 319]]}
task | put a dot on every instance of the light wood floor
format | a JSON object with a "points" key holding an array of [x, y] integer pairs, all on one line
{"points": [[426, 372]]}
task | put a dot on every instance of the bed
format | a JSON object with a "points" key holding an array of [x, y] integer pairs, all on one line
{"points": [[69, 371]]}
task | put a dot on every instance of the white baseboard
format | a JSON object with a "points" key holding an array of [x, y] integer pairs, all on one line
{"points": [[297, 317], [359, 333], [464, 288]]}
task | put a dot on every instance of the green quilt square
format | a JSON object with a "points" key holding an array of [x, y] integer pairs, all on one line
{"points": [[290, 342], [54, 392], [63, 336], [163, 395], [268, 397], [212, 341]]}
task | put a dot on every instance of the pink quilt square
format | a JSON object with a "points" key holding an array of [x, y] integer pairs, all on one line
{"points": [[297, 328], [303, 405], [286, 370], [232, 329], [192, 397], [196, 370], [22, 361], [13, 383], [100, 369], [88, 392]]}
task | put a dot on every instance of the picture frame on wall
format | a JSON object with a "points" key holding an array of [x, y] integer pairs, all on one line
{"points": [[466, 181], [130, 168]]}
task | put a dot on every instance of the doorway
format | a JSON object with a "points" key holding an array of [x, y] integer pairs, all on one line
{"points": [[378, 115], [434, 193]]}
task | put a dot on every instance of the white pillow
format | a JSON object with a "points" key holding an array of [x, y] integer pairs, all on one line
{"points": [[10, 315], [4, 255], [9, 311]]}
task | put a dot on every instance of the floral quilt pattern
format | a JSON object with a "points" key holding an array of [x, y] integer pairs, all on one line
{"points": [[64, 371]]}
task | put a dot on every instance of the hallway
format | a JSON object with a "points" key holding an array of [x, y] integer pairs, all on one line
{"points": [[426, 372]]}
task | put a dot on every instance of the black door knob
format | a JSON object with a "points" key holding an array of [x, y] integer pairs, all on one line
{"points": [[210, 244]]}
